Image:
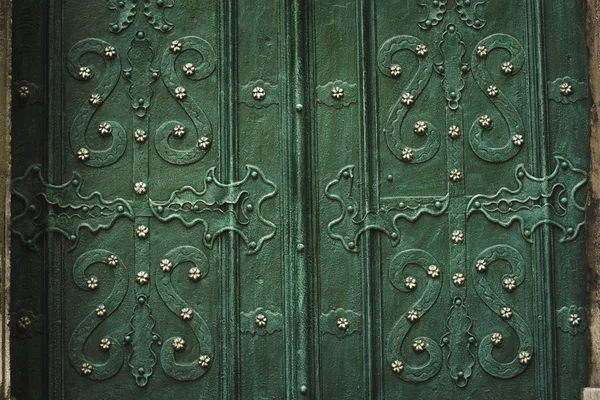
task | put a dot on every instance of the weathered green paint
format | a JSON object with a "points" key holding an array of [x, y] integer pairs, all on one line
{"points": [[323, 199]]}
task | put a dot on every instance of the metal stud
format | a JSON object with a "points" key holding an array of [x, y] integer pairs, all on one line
{"points": [[142, 278], [189, 69], [566, 89], [105, 344], [194, 274], [93, 283], [574, 319], [101, 310], [509, 284], [454, 132], [142, 231], [485, 122], [410, 283], [506, 313], [204, 361], [458, 237], [455, 175], [421, 50], [85, 73], [418, 345], [203, 143], [507, 68], [458, 279], [337, 92], [87, 368], [95, 99], [110, 52], [258, 93], [408, 154], [180, 93], [412, 315], [140, 188], [176, 46], [178, 131], [433, 271], [518, 140], [83, 154], [141, 136], [524, 357], [113, 260], [105, 129], [407, 99], [492, 91], [481, 265], [261, 320], [420, 127], [497, 339], [178, 344], [23, 92], [186, 313], [398, 366], [343, 324], [395, 70], [166, 265], [482, 51]]}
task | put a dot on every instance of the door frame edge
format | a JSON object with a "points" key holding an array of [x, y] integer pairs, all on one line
{"points": [[5, 173], [593, 203]]}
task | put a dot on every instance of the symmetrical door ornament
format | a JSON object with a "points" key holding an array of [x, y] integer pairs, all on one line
{"points": [[531, 202], [217, 207]]}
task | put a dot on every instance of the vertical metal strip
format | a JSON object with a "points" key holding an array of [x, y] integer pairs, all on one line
{"points": [[227, 161], [544, 331], [55, 174], [304, 318], [368, 157]]}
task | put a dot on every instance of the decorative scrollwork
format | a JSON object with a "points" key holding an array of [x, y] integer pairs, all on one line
{"points": [[398, 112], [353, 222], [202, 125], [337, 94], [184, 371], [495, 303], [341, 323], [106, 85], [127, 11], [484, 80], [61, 208], [261, 322], [435, 12], [401, 328], [192, 207], [81, 334], [548, 200], [469, 12], [567, 90], [572, 319]]}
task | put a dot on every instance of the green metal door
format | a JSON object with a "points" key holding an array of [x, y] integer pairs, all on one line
{"points": [[333, 199]]}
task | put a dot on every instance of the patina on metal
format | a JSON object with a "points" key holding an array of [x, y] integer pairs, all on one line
{"points": [[311, 199]]}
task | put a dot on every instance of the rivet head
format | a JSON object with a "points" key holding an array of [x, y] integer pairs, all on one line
{"points": [[180, 93], [93, 283], [166, 265], [481, 265], [566, 89], [398, 366], [194, 274], [95, 99], [454, 132], [518, 140], [261, 320], [574, 319], [142, 231], [497, 339], [140, 188], [105, 129], [23, 92], [87, 368], [259, 93], [85, 73], [101, 310], [142, 277], [418, 345], [204, 361], [458, 279], [506, 313], [24, 323], [482, 51], [178, 344], [525, 358], [407, 99], [110, 52], [509, 284], [105, 344], [410, 283], [189, 69], [458, 237], [455, 175], [433, 271], [178, 131], [141, 136], [485, 122], [492, 91], [83, 154], [176, 46], [395, 70], [343, 324], [186, 313], [408, 154], [420, 127], [337, 93], [412, 315], [203, 143], [421, 50], [507, 68]]}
